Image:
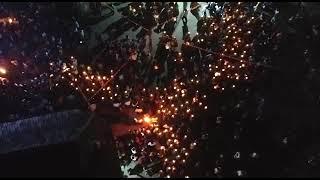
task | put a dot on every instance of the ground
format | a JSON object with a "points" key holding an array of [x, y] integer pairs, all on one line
{"points": [[101, 26]]}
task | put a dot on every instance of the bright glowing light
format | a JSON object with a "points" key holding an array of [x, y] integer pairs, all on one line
{"points": [[148, 119], [3, 70], [217, 74]]}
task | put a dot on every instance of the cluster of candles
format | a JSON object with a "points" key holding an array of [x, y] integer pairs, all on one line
{"points": [[5, 21], [237, 43], [168, 110], [231, 60], [135, 8], [9, 20], [173, 147], [177, 104], [180, 99], [157, 9]]}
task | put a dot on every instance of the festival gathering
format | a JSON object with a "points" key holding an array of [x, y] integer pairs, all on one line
{"points": [[159, 89]]}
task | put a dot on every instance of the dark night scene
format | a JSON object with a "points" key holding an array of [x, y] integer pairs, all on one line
{"points": [[160, 89]]}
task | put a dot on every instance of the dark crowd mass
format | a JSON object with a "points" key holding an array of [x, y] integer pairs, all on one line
{"points": [[234, 95]]}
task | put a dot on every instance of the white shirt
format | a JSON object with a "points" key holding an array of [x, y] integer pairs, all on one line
{"points": [[116, 104], [82, 33], [127, 103], [93, 107], [121, 77]]}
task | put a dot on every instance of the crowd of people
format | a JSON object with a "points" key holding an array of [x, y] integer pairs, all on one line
{"points": [[162, 15], [31, 39], [203, 104], [214, 41]]}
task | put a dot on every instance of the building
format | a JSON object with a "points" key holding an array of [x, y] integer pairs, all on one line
{"points": [[54, 145]]}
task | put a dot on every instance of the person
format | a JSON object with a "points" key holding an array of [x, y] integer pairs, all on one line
{"points": [[169, 27], [195, 6], [205, 13], [136, 170], [185, 29]]}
